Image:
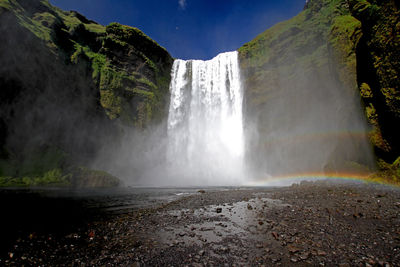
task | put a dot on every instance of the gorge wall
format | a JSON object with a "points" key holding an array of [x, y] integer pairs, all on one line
{"points": [[69, 85], [378, 69], [317, 61], [319, 89]]}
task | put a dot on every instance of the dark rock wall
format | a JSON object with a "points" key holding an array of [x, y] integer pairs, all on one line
{"points": [[378, 55], [68, 85]]}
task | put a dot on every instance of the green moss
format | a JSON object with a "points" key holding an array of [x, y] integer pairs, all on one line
{"points": [[5, 4], [346, 24], [96, 28], [36, 27], [371, 114], [85, 177], [36, 163], [366, 91], [128, 34], [392, 98], [71, 20], [53, 177], [78, 52], [145, 81], [111, 103], [379, 71], [388, 173], [131, 75], [344, 37], [299, 43], [296, 35], [33, 162]]}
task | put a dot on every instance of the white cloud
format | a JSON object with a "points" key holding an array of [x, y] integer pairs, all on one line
{"points": [[182, 4]]}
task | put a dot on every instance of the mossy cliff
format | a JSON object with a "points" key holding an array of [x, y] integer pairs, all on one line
{"points": [[378, 72], [315, 85], [322, 61], [69, 85]]}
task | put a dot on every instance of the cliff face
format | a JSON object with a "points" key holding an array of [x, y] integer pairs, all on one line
{"points": [[69, 84], [378, 69], [319, 89], [302, 104], [305, 76]]}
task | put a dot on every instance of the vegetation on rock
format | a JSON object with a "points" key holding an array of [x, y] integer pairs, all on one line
{"points": [[354, 44], [378, 56], [69, 85], [290, 71]]}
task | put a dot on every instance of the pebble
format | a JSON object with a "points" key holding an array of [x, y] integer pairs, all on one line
{"points": [[307, 234]]}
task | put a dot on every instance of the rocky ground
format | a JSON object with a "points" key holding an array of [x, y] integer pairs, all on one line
{"points": [[311, 224]]}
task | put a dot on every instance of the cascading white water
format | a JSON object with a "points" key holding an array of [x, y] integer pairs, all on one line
{"points": [[205, 125]]}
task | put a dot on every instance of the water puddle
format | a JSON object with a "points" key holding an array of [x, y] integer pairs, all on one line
{"points": [[215, 223]]}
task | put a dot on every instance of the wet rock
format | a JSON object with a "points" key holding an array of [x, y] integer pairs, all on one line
{"points": [[275, 235], [204, 229], [275, 259], [163, 242], [321, 253], [293, 249], [304, 256], [224, 249], [203, 239]]}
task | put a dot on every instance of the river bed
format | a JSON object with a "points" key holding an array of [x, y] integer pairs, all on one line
{"points": [[307, 224]]}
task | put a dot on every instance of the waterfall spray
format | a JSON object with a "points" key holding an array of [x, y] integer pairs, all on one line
{"points": [[205, 123]]}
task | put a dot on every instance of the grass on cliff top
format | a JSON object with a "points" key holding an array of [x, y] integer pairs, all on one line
{"points": [[5, 4], [311, 25], [72, 21], [41, 23], [124, 32]]}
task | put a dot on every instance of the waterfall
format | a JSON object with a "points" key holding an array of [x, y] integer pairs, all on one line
{"points": [[205, 124]]}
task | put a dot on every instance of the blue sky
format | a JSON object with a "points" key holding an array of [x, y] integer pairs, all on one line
{"points": [[191, 29]]}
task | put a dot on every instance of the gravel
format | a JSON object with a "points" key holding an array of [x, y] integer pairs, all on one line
{"points": [[307, 224]]}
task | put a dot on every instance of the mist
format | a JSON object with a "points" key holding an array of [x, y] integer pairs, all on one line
{"points": [[200, 143], [227, 123], [310, 124], [49, 109]]}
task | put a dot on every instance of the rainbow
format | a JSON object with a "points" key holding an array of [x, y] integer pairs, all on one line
{"points": [[288, 179]]}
